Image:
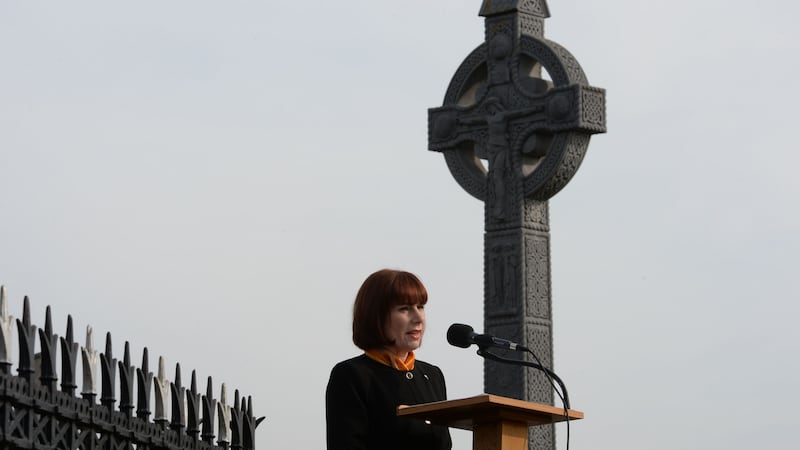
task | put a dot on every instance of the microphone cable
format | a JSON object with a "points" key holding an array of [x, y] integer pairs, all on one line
{"points": [[565, 398], [537, 365]]}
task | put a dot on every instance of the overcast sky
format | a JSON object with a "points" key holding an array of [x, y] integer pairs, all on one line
{"points": [[214, 180]]}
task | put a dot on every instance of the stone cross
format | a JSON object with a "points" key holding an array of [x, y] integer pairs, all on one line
{"points": [[514, 128]]}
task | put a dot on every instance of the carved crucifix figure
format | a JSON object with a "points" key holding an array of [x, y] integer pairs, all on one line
{"points": [[500, 171], [512, 137]]}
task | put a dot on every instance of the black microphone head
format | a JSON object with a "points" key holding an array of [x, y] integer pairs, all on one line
{"points": [[460, 335]]}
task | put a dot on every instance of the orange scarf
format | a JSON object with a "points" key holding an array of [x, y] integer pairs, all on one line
{"points": [[388, 358]]}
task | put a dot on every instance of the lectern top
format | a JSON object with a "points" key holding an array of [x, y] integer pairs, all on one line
{"points": [[465, 413]]}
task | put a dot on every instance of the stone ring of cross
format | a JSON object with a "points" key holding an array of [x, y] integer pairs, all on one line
{"points": [[525, 97]]}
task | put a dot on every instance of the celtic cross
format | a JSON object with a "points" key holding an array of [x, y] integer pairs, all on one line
{"points": [[514, 128]]}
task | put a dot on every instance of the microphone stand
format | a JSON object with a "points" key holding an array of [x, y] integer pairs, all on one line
{"points": [[550, 374]]}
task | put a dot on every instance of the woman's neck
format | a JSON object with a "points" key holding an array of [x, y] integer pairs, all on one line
{"points": [[402, 356]]}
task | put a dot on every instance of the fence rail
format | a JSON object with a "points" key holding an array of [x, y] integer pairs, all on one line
{"points": [[35, 414]]}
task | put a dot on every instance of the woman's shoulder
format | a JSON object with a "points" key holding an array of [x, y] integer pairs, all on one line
{"points": [[429, 368], [357, 371], [427, 365], [356, 364], [356, 361]]}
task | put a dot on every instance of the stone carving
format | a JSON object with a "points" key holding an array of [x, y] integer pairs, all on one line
{"points": [[505, 380], [537, 287], [536, 216], [534, 7], [514, 128], [503, 278]]}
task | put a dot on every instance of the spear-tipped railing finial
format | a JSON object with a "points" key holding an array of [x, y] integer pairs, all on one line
{"points": [[6, 338], [224, 421], [27, 340], [108, 366], [250, 425], [193, 409], [69, 359], [127, 375], [48, 343], [161, 394], [144, 382], [178, 421], [209, 409], [237, 425], [89, 357]]}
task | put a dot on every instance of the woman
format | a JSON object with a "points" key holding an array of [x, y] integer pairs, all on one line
{"points": [[364, 392]]}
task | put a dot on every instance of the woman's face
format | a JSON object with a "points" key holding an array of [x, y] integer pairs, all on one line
{"points": [[405, 326]]}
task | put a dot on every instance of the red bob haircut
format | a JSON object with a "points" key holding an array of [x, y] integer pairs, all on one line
{"points": [[378, 294]]}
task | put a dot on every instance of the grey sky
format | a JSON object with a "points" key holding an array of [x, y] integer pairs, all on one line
{"points": [[213, 180]]}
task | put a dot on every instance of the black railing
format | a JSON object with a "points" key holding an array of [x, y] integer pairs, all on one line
{"points": [[35, 414]]}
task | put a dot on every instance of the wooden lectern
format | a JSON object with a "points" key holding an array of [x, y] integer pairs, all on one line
{"points": [[497, 423]]}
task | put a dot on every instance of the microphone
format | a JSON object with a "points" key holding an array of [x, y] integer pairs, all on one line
{"points": [[463, 336]]}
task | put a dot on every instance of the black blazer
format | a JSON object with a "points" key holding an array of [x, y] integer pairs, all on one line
{"points": [[361, 402]]}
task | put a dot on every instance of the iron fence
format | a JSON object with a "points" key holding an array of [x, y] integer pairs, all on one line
{"points": [[36, 414]]}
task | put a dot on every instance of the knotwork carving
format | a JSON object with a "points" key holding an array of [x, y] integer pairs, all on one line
{"points": [[537, 285], [467, 68], [537, 216], [538, 339]]}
